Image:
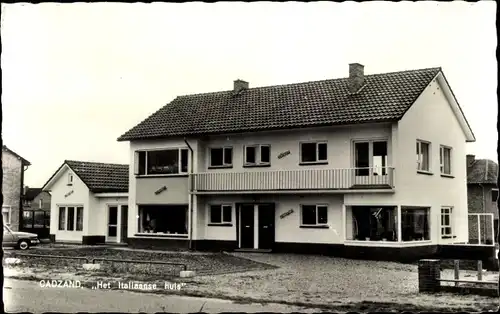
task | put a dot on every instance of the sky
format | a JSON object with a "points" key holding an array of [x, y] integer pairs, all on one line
{"points": [[77, 76]]}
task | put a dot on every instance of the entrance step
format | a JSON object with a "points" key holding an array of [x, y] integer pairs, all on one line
{"points": [[254, 250]]}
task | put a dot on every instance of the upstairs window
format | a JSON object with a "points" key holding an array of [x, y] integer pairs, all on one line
{"points": [[221, 157], [40, 203], [445, 159], [311, 153], [161, 162], [423, 156], [257, 155], [494, 195], [70, 179], [371, 158]]}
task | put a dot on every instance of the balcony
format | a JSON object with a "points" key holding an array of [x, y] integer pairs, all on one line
{"points": [[325, 180]]}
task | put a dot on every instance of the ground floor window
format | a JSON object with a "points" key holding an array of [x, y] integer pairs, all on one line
{"points": [[374, 223], [415, 223], [220, 214], [6, 214], [70, 218], [314, 215], [446, 225], [163, 219]]}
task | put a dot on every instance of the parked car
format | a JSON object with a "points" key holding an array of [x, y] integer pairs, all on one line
{"points": [[18, 240]]}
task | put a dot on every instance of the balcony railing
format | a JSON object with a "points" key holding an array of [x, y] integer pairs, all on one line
{"points": [[295, 180]]}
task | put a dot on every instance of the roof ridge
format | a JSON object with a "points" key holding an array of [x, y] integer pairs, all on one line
{"points": [[309, 82], [95, 162]]}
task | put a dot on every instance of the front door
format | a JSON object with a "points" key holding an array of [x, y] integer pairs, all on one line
{"points": [[266, 226], [247, 226], [123, 227], [112, 223]]}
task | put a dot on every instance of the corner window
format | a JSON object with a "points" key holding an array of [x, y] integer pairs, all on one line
{"points": [[446, 222], [256, 155], [166, 220], [494, 195], [313, 152], [372, 223], [221, 157], [221, 214], [6, 214], [161, 162], [415, 223], [445, 159], [314, 215], [423, 156]]}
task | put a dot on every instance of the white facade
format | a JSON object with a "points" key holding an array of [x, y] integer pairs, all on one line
{"points": [[435, 118], [76, 194]]}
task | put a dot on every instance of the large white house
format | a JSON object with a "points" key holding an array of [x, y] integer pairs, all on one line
{"points": [[347, 165], [368, 164]]}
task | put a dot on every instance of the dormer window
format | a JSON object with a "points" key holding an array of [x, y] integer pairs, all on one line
{"points": [[70, 179]]}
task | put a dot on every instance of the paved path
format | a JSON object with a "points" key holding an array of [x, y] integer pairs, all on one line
{"points": [[29, 296]]}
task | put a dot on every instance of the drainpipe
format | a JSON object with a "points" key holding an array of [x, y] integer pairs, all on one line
{"points": [[191, 160], [20, 214]]}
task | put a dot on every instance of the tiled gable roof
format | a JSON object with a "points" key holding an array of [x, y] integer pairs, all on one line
{"points": [[385, 97], [101, 177], [482, 171]]}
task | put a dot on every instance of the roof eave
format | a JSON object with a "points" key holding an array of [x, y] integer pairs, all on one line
{"points": [[469, 134], [201, 134]]}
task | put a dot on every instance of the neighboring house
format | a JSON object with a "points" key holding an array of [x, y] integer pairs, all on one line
{"points": [[36, 211], [368, 164], [482, 191], [13, 168], [89, 202]]}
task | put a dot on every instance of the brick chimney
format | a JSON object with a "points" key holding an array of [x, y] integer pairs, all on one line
{"points": [[240, 85], [356, 77], [470, 160]]}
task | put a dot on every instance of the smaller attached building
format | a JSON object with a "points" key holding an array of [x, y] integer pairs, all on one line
{"points": [[89, 202], [482, 193]]}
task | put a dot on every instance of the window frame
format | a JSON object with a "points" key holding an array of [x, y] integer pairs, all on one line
{"points": [[429, 156], [8, 210], [258, 156], [66, 217], [442, 149], [40, 203], [443, 227], [145, 151], [224, 164], [316, 224], [70, 179], [371, 167], [222, 221], [494, 190], [317, 161]]}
